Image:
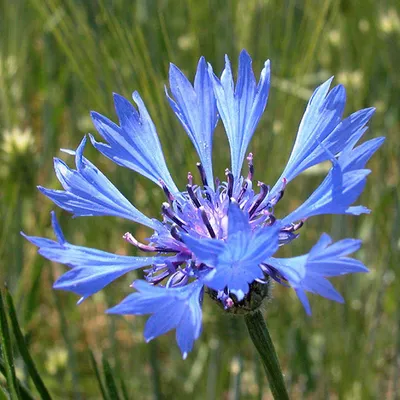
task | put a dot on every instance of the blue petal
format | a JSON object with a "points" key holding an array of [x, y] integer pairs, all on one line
{"points": [[322, 115], [357, 210], [351, 159], [338, 249], [343, 184], [264, 242], [308, 272], [292, 269], [87, 192], [189, 328], [322, 134], [239, 232], [301, 294], [206, 250], [236, 262], [238, 221], [165, 319], [92, 269], [241, 108], [172, 308], [336, 140], [196, 109], [134, 144], [334, 196]]}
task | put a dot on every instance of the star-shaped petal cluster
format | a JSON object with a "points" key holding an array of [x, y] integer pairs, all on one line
{"points": [[235, 262], [219, 237]]}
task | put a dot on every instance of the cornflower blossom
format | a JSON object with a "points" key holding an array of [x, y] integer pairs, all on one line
{"points": [[218, 237]]}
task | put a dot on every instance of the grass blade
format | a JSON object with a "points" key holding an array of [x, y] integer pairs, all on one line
{"points": [[23, 392], [97, 373], [110, 381], [3, 394], [6, 348], [23, 349], [124, 390]]}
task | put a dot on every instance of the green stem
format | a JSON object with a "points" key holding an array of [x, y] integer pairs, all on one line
{"points": [[262, 340]]}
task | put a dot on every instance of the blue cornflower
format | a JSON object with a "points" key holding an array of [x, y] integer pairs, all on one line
{"points": [[215, 237]]}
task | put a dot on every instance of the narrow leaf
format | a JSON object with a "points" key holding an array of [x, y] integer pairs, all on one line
{"points": [[110, 381], [6, 349], [3, 394], [97, 373], [23, 349], [24, 393], [124, 390]]}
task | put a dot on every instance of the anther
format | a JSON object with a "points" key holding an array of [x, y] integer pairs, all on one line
{"points": [[156, 279], [207, 222], [285, 237], [230, 179], [282, 191], [251, 167], [274, 274], [228, 303], [271, 220], [145, 247], [166, 210], [179, 278], [270, 217], [294, 227], [193, 196], [168, 194], [175, 233], [203, 179], [279, 196], [190, 178], [264, 189], [225, 299], [242, 191], [202, 174]]}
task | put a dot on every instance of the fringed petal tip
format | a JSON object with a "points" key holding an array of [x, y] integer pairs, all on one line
{"points": [[133, 144], [240, 107], [88, 192], [309, 272], [171, 308], [195, 107]]}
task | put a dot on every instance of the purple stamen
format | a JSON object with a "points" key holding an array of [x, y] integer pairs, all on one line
{"points": [[274, 274], [156, 279], [279, 196], [193, 196], [175, 233], [293, 227], [286, 237], [168, 194], [207, 222], [145, 247], [226, 301], [264, 189], [271, 220], [190, 178], [166, 210], [230, 179], [251, 167], [179, 278], [202, 174], [242, 191]]}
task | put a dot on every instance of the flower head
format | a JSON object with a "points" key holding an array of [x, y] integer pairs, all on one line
{"points": [[216, 237]]}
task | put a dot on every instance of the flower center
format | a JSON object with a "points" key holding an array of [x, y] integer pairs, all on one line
{"points": [[203, 213]]}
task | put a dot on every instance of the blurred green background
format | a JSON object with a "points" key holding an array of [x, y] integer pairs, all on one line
{"points": [[59, 59]]}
